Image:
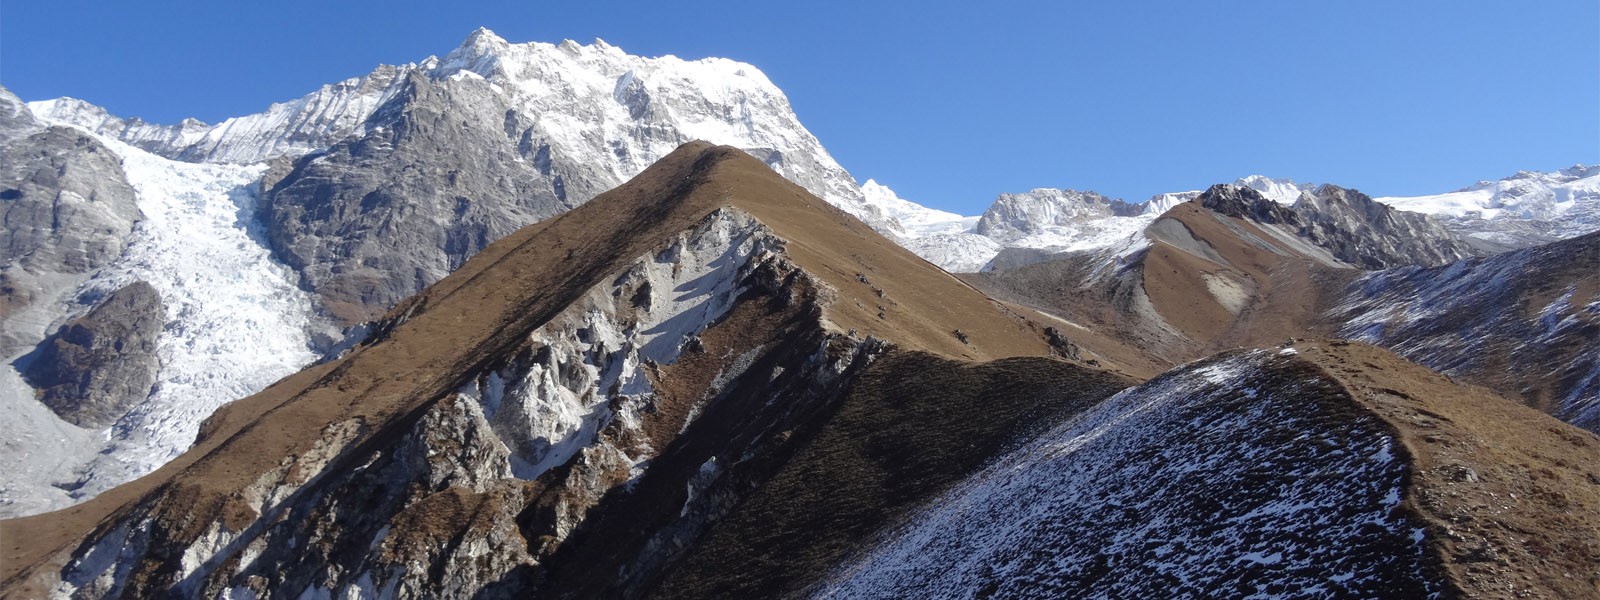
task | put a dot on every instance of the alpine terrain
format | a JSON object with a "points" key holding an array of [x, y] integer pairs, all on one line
{"points": [[272, 239], [557, 321]]}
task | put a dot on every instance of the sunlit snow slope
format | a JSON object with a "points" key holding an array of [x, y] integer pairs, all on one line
{"points": [[1519, 211]]}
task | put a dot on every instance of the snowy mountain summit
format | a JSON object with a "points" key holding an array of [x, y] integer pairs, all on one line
{"points": [[591, 104], [360, 193], [1522, 210]]}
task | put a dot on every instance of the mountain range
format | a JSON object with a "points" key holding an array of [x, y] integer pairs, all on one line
{"points": [[496, 323]]}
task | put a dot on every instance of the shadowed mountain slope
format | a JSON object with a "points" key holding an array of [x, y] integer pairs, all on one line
{"points": [[1320, 470], [670, 344]]}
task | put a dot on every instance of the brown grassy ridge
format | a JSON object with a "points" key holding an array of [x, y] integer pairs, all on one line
{"points": [[1510, 495], [911, 427], [487, 308]]}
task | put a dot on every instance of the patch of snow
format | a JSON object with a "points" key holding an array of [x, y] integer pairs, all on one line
{"points": [[594, 365], [1282, 191]]}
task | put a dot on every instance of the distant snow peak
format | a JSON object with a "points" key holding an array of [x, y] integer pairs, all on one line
{"points": [[1525, 209], [1161, 203], [1282, 191]]}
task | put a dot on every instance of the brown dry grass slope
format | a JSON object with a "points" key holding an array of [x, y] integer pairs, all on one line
{"points": [[485, 309], [1510, 495]]}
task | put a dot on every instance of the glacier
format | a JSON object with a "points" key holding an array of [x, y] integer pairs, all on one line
{"points": [[236, 322]]}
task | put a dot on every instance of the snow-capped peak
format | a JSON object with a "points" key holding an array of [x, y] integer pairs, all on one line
{"points": [[292, 128], [1161, 203], [1282, 191], [614, 112], [1568, 200], [479, 53], [1034, 211]]}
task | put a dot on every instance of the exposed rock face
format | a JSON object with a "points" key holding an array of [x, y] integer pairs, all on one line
{"points": [[1246, 203], [496, 136], [1350, 225], [376, 218], [1373, 235], [97, 366], [67, 210], [589, 395]]}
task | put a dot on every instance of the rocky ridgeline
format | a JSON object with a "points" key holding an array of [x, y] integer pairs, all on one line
{"points": [[68, 211], [1354, 228]]}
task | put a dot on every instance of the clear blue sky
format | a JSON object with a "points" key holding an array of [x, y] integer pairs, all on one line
{"points": [[948, 103]]}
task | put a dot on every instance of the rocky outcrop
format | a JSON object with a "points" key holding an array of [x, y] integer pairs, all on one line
{"points": [[1246, 203], [444, 171], [99, 365], [495, 136], [1373, 235], [589, 395], [1348, 224], [67, 210]]}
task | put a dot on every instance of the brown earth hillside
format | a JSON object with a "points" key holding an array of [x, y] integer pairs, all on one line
{"points": [[1523, 323], [1511, 496], [865, 286], [1207, 282]]}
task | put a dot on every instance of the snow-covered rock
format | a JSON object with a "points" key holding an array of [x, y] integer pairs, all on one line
{"points": [[1282, 191], [306, 124], [915, 220], [593, 104]]}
